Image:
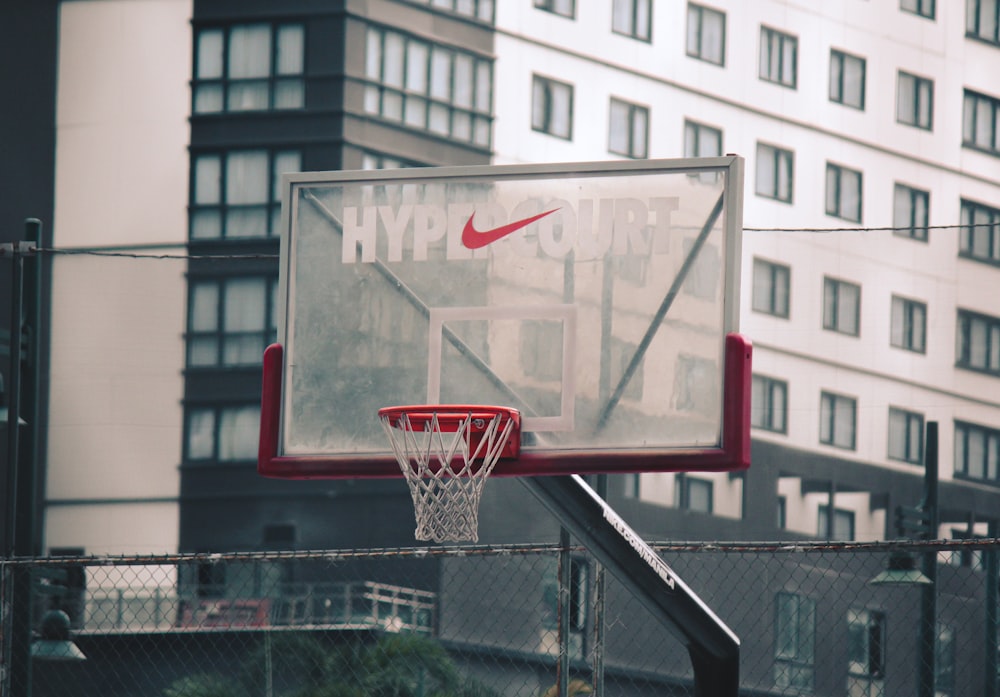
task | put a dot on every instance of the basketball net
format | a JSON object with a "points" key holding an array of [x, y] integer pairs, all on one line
{"points": [[446, 455]]}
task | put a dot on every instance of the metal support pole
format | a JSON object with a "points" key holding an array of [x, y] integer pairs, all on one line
{"points": [[599, 606], [21, 513], [928, 593], [990, 558], [564, 595]]}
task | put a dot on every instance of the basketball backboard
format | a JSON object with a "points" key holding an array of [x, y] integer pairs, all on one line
{"points": [[598, 299]]}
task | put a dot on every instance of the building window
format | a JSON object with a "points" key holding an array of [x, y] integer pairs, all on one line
{"points": [[982, 20], [628, 130], [978, 342], [632, 18], [774, 173], [706, 34], [843, 524], [476, 9], [908, 325], [843, 192], [563, 8], [841, 306], [977, 452], [794, 641], [837, 419], [914, 101], [696, 385], [769, 404], [906, 436], [701, 140], [910, 212], [372, 160], [980, 234], [632, 486], [778, 56], [693, 494], [771, 288], [865, 652], [222, 434], [782, 513], [552, 107], [428, 86], [924, 8], [231, 321], [251, 67], [238, 194], [847, 79], [981, 122]]}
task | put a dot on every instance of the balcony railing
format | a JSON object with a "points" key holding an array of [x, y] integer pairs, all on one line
{"points": [[338, 606]]}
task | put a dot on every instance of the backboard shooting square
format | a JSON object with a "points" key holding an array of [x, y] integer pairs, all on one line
{"points": [[598, 299]]}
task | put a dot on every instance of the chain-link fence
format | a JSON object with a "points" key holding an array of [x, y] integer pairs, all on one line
{"points": [[512, 621]]}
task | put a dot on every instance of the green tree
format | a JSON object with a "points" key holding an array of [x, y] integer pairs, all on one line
{"points": [[300, 664]]}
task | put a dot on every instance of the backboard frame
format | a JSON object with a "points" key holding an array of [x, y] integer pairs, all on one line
{"points": [[731, 452]]}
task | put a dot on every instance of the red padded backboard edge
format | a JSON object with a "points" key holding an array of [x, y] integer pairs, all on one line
{"points": [[734, 453]]}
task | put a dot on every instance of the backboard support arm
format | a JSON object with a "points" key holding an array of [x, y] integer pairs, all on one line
{"points": [[713, 647]]}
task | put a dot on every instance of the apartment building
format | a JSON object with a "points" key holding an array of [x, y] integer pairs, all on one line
{"points": [[871, 262]]}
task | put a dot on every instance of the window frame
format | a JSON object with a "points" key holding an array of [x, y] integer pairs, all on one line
{"points": [[545, 125], [973, 104], [683, 486], [698, 13], [842, 518], [974, 236], [836, 92], [988, 467], [911, 335], [965, 357], [772, 40], [918, 111], [973, 21], [226, 84], [420, 97], [836, 178], [550, 7], [832, 404], [217, 412], [222, 210], [696, 133], [911, 439], [917, 212], [866, 649], [763, 418], [794, 641], [919, 8], [779, 275], [780, 159], [219, 335], [633, 30], [634, 112], [833, 306]]}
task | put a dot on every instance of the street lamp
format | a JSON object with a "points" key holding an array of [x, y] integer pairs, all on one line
{"points": [[54, 643]]}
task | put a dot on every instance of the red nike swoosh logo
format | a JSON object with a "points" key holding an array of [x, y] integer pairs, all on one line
{"points": [[474, 239]]}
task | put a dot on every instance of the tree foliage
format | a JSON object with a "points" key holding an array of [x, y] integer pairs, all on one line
{"points": [[300, 664]]}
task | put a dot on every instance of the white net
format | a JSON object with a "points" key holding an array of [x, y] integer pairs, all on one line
{"points": [[446, 457]]}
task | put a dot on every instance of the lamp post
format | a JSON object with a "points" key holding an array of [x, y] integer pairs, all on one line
{"points": [[924, 521]]}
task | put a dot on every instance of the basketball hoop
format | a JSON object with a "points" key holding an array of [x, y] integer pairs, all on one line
{"points": [[446, 452]]}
